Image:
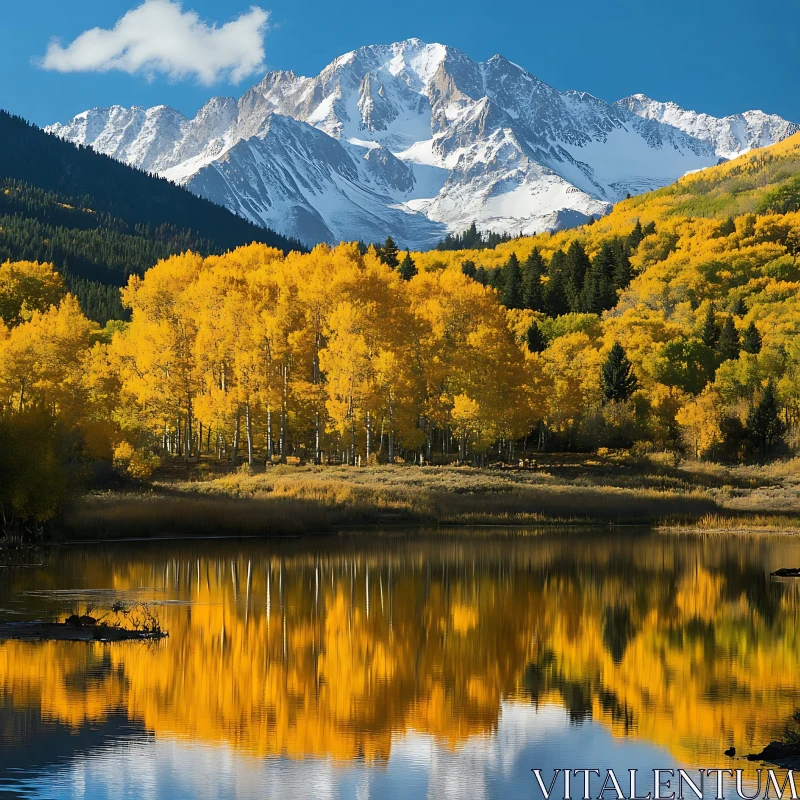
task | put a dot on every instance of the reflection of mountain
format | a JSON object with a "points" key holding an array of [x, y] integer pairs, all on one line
{"points": [[337, 649]]}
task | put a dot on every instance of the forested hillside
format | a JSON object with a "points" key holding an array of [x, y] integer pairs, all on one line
{"points": [[698, 283], [99, 221], [649, 329]]}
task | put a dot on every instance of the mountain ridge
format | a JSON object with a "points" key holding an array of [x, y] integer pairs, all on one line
{"points": [[457, 141], [98, 221]]}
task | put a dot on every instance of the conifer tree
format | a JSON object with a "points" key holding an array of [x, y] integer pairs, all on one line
{"points": [[728, 227], [512, 283], [763, 422], [617, 379], [408, 269], [649, 229], [532, 289], [728, 346], [623, 272], [594, 295], [635, 236], [751, 339], [709, 333], [555, 294], [576, 266], [598, 290], [389, 253], [469, 269], [534, 339], [738, 308]]}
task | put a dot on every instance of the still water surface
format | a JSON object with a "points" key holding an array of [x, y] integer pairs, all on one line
{"points": [[398, 666]]}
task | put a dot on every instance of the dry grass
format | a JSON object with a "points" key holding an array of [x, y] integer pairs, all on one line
{"points": [[565, 490]]}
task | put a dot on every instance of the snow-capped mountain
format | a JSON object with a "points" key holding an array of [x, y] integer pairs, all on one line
{"points": [[414, 140], [729, 136]]}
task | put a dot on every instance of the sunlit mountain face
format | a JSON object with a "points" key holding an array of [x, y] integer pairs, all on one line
{"points": [[391, 666], [416, 139]]}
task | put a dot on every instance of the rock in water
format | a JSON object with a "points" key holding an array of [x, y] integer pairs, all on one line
{"points": [[776, 752], [84, 621]]}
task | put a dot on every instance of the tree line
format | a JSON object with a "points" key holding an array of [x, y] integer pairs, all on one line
{"points": [[99, 221], [353, 353], [570, 282], [473, 239]]}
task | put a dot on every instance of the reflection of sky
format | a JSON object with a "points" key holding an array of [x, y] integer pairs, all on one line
{"points": [[496, 766]]}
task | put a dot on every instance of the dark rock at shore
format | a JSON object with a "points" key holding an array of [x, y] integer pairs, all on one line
{"points": [[780, 753], [70, 631], [80, 622], [787, 572]]}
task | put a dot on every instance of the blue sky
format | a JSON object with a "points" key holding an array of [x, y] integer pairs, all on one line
{"points": [[710, 55]]}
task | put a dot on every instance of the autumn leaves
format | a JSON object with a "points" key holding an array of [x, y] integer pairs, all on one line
{"points": [[330, 355]]}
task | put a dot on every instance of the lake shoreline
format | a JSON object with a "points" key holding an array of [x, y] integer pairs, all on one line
{"points": [[209, 499]]}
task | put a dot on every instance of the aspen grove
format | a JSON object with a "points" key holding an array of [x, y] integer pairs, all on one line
{"points": [[670, 324]]}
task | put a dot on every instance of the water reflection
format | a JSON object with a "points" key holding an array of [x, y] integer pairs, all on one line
{"points": [[364, 652]]}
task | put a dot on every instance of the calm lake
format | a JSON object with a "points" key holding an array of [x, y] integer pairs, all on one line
{"points": [[398, 666]]}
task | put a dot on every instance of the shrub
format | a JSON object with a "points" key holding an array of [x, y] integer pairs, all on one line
{"points": [[137, 464]]}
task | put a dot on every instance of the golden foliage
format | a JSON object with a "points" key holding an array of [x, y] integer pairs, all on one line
{"points": [[333, 653]]}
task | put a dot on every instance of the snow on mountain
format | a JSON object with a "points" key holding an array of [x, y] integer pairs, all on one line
{"points": [[730, 136], [415, 140]]}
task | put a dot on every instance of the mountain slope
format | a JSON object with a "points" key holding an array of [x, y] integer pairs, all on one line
{"points": [[730, 136], [759, 191], [98, 220], [416, 139]]}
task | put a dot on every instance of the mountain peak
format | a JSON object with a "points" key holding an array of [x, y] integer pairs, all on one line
{"points": [[414, 139]]}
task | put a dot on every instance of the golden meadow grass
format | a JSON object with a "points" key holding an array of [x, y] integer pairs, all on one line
{"points": [[565, 490]]}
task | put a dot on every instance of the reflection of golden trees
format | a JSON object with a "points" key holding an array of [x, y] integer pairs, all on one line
{"points": [[680, 641]]}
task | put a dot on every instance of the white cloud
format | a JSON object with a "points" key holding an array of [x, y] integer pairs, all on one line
{"points": [[160, 37]]}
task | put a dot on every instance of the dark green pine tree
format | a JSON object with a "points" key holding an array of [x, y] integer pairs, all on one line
{"points": [[496, 278], [739, 308], [469, 269], [729, 345], [598, 290], [649, 229], [709, 333], [576, 267], [532, 289], [534, 339], [727, 228], [408, 269], [482, 276], [751, 339], [594, 296], [512, 283], [763, 421], [617, 379], [635, 236], [471, 237], [556, 302], [623, 272], [389, 253]]}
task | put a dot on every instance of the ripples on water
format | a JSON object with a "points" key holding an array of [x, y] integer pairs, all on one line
{"points": [[398, 666]]}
